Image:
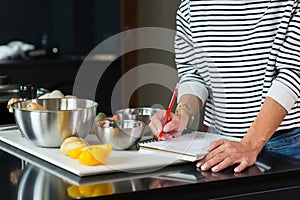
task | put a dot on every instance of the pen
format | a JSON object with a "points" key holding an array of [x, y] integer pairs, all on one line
{"points": [[169, 110]]}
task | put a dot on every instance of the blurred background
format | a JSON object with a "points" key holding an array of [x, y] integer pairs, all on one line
{"points": [[64, 32]]}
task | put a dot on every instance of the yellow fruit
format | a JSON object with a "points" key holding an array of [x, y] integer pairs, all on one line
{"points": [[72, 143], [94, 190], [74, 153], [86, 190], [102, 189], [87, 159], [71, 139], [73, 191], [100, 152], [95, 154]]}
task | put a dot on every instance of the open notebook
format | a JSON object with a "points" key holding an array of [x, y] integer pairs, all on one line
{"points": [[190, 146]]}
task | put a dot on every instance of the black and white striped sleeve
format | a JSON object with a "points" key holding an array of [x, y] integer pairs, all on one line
{"points": [[191, 81], [286, 87]]}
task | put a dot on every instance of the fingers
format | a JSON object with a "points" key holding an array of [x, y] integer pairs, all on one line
{"points": [[222, 165], [243, 165], [170, 135], [171, 129], [177, 123], [156, 122], [225, 153], [216, 161], [171, 125], [214, 145]]}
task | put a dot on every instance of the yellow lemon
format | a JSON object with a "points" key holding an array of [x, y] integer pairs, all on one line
{"points": [[100, 152], [74, 153], [94, 190], [95, 154], [73, 191], [86, 190], [102, 189], [72, 143], [87, 159]]}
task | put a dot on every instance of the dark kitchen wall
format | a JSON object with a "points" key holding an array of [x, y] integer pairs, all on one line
{"points": [[25, 20], [75, 26]]}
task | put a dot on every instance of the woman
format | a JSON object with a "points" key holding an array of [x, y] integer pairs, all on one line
{"points": [[242, 60]]}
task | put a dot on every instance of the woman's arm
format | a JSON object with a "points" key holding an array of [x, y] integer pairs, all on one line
{"points": [[225, 153], [267, 121]]}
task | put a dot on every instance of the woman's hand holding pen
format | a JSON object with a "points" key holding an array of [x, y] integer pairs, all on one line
{"points": [[187, 106], [173, 128]]}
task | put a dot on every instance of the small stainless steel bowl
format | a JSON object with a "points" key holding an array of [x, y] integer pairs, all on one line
{"points": [[123, 134], [142, 114], [61, 119]]}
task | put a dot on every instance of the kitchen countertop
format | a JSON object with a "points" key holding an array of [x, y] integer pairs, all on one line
{"points": [[24, 175]]}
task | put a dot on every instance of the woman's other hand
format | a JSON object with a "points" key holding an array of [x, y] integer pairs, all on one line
{"points": [[224, 153]]}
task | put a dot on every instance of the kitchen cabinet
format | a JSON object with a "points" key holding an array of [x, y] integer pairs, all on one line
{"points": [[50, 73], [59, 73]]}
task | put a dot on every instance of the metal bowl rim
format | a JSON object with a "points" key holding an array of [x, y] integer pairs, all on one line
{"points": [[129, 110], [94, 104], [111, 122]]}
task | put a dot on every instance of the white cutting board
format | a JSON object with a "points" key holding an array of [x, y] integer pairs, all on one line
{"points": [[124, 161]]}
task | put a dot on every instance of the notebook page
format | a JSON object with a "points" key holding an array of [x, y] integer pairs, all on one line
{"points": [[193, 144]]}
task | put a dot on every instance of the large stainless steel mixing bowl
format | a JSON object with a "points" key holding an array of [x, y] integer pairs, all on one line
{"points": [[61, 119]]}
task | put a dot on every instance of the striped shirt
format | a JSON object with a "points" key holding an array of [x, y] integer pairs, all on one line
{"points": [[233, 53]]}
